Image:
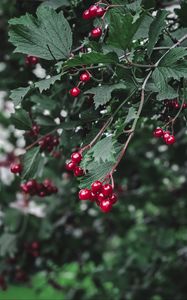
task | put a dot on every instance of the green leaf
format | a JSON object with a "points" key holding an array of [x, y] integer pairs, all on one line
{"points": [[19, 94], [45, 84], [8, 245], [21, 120], [48, 36], [30, 162], [131, 115], [143, 30], [102, 94], [155, 30], [92, 58], [173, 56], [104, 150], [97, 171], [122, 29], [56, 3]]}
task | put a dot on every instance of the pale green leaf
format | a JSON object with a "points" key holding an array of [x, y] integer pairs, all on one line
{"points": [[103, 150], [19, 94], [30, 162]]}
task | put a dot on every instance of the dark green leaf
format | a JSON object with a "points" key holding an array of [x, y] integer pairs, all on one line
{"points": [[30, 162], [21, 120], [18, 94]]}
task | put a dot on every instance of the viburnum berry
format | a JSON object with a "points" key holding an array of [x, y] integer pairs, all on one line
{"points": [[113, 199], [100, 11], [84, 194], [86, 15], [31, 60], [166, 135], [96, 186], [35, 245], [76, 157], [24, 188], [170, 140], [84, 77], [93, 197], [16, 168], [107, 190], [70, 166], [74, 92], [158, 132], [105, 206], [96, 32], [101, 197], [78, 171], [93, 11]]}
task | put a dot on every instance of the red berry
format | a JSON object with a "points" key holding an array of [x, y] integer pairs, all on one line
{"points": [[55, 141], [85, 77], [100, 11], [84, 194], [101, 197], [76, 157], [16, 168], [96, 32], [31, 185], [158, 132], [170, 140], [42, 194], [78, 171], [86, 14], [96, 186], [70, 166], [31, 60], [105, 206], [24, 188], [74, 92], [184, 105], [35, 245], [107, 190], [166, 135], [113, 199], [47, 183], [93, 11], [93, 197]]}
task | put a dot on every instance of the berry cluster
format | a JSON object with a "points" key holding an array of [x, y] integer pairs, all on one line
{"points": [[16, 168], [34, 131], [31, 60], [33, 249], [84, 77], [32, 187], [174, 104], [73, 164], [94, 11], [167, 137], [48, 143], [103, 195]]}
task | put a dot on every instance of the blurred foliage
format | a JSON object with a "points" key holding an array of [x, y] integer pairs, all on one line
{"points": [[138, 252]]}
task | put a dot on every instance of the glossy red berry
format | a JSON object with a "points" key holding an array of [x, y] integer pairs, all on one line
{"points": [[105, 206], [86, 15], [31, 60], [113, 199], [16, 168], [76, 157], [107, 190], [170, 140], [96, 32], [55, 141], [70, 166], [78, 171], [166, 135], [158, 132], [74, 92], [31, 185], [24, 188], [93, 11], [96, 186], [85, 77], [93, 197], [101, 197], [100, 12], [84, 194]]}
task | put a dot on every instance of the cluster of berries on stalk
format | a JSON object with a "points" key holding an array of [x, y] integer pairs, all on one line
{"points": [[100, 193], [84, 77], [94, 11], [31, 60], [168, 138], [34, 131], [73, 164], [48, 143], [174, 104], [32, 187]]}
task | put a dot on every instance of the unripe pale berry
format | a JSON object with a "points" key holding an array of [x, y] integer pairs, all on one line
{"points": [[76, 157], [74, 92], [96, 32], [84, 194]]}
